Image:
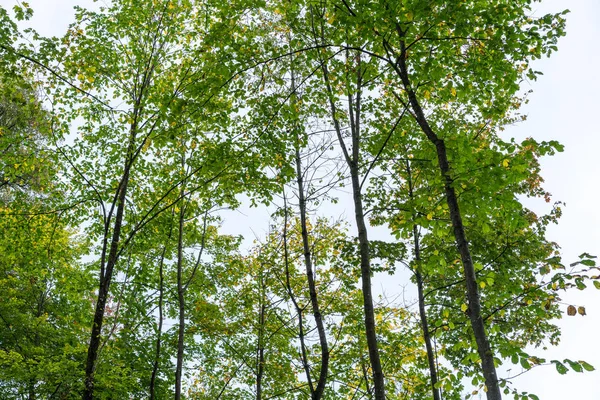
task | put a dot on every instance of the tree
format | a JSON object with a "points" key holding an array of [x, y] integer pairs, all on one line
{"points": [[158, 116], [42, 319]]}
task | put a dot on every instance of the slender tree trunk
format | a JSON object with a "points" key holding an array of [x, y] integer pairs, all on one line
{"points": [[260, 350], [363, 240], [297, 307], [181, 303], [433, 378], [107, 273], [159, 335], [161, 294], [477, 323], [422, 313], [314, 301], [310, 275], [365, 267], [365, 259]]}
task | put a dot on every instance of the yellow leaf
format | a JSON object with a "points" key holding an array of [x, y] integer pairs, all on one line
{"points": [[453, 91], [505, 163], [430, 216], [482, 284], [464, 307]]}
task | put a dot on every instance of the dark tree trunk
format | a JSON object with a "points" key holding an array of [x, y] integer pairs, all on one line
{"points": [[181, 303], [353, 161], [310, 275], [106, 273], [422, 313], [369, 310], [260, 353], [314, 301], [161, 294], [354, 112], [297, 307], [477, 323]]}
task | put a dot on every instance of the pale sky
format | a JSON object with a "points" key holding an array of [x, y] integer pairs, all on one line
{"points": [[563, 106]]}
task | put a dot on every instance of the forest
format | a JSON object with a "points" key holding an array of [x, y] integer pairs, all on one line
{"points": [[400, 259]]}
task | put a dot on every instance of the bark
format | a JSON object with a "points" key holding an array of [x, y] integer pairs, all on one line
{"points": [[106, 273], [369, 310], [477, 323], [314, 301], [160, 318], [181, 304], [159, 335], [297, 307], [310, 274], [363, 240], [422, 313], [260, 350], [365, 260]]}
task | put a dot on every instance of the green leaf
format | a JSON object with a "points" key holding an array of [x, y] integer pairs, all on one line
{"points": [[575, 366], [560, 367], [586, 366]]}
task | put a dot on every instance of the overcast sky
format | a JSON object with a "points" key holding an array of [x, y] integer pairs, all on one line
{"points": [[564, 106]]}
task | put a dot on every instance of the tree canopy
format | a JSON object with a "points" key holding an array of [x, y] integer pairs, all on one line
{"points": [[128, 141]]}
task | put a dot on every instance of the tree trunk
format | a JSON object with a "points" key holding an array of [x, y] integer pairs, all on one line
{"points": [[107, 273], [161, 294], [260, 353], [314, 301], [354, 112], [297, 307], [365, 258], [365, 267], [181, 303], [477, 324], [422, 313]]}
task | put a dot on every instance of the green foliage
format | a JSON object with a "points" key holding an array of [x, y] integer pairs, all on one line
{"points": [[184, 108]]}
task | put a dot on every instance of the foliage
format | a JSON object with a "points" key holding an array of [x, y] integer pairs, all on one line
{"points": [[124, 140]]}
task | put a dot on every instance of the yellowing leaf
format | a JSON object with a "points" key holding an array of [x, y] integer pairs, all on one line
{"points": [[505, 163], [464, 307]]}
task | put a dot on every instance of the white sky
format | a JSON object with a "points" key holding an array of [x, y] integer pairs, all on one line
{"points": [[563, 107]]}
